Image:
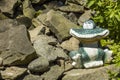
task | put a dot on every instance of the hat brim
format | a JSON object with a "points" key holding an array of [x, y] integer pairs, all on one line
{"points": [[89, 34]]}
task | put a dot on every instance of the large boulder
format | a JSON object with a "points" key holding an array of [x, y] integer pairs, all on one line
{"points": [[44, 48], [13, 73], [15, 46], [59, 25], [90, 74], [40, 64]]}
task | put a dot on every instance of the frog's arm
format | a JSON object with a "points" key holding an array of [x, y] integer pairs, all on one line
{"points": [[76, 57], [74, 54], [108, 55]]}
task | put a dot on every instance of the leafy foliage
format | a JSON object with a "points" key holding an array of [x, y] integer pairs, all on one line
{"points": [[115, 47], [113, 75], [107, 15]]}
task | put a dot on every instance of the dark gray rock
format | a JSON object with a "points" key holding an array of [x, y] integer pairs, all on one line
{"points": [[73, 18], [100, 73], [55, 4], [15, 46], [59, 25], [32, 77], [24, 21], [28, 10], [53, 74], [40, 64], [12, 73], [50, 52]]}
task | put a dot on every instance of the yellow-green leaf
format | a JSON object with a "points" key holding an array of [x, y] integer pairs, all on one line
{"points": [[90, 3], [117, 17]]}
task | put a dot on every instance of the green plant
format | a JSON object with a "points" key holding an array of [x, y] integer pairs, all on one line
{"points": [[115, 47], [107, 15], [113, 75]]}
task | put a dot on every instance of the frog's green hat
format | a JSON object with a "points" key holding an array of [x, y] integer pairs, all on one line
{"points": [[89, 32]]}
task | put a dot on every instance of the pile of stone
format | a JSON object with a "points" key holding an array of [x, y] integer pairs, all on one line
{"points": [[35, 40]]}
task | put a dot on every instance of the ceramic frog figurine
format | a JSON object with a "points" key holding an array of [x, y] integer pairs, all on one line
{"points": [[90, 54]]}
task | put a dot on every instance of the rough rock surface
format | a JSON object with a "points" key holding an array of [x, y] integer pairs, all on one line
{"points": [[73, 18], [59, 25], [85, 16], [100, 73], [72, 8], [13, 73], [53, 74], [24, 21], [81, 2], [71, 44], [40, 64], [43, 25], [50, 52], [15, 46], [40, 19], [28, 10], [34, 33], [7, 6], [32, 77]]}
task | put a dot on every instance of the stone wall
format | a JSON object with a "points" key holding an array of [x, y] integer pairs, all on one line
{"points": [[35, 40]]}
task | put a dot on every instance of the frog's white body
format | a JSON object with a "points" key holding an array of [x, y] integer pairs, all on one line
{"points": [[90, 53], [97, 56]]}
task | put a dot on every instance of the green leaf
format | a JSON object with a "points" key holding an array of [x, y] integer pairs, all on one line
{"points": [[99, 3], [117, 17], [90, 3], [112, 14]]}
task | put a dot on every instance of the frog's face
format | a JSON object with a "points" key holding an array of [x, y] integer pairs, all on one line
{"points": [[89, 24]]}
